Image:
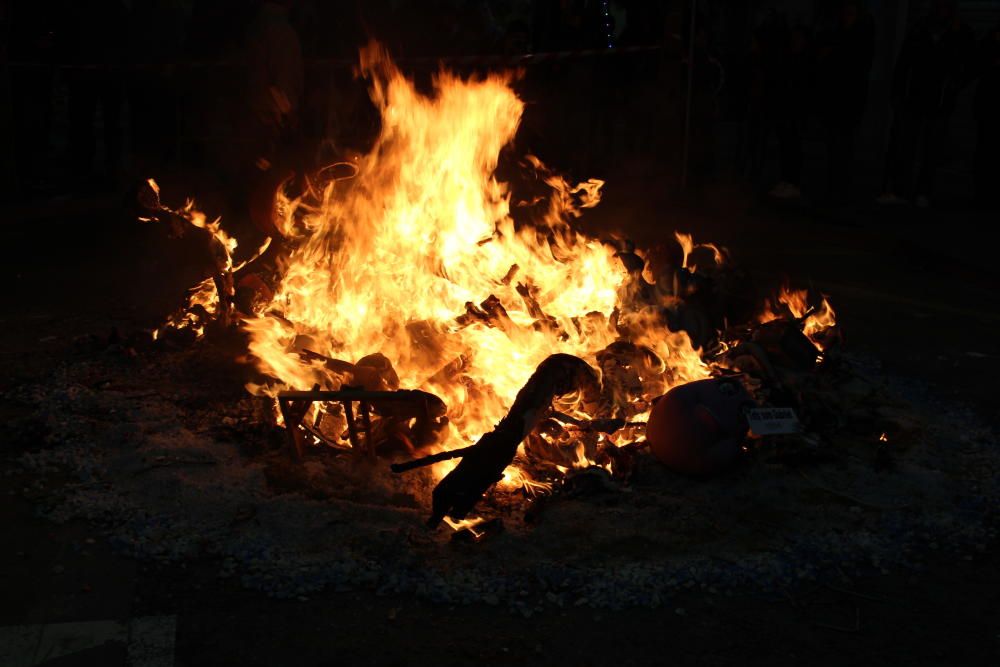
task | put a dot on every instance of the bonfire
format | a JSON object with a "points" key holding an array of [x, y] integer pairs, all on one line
{"points": [[401, 313]]}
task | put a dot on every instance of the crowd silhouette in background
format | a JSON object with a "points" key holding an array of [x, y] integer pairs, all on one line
{"points": [[102, 91]]}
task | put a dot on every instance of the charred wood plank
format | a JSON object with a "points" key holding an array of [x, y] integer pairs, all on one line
{"points": [[482, 464], [431, 459], [543, 319], [404, 404], [490, 312]]}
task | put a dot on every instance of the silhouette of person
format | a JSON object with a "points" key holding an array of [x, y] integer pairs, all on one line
{"points": [[93, 39], [845, 55], [987, 164], [275, 68], [157, 31], [275, 87], [936, 61], [780, 72], [31, 31]]}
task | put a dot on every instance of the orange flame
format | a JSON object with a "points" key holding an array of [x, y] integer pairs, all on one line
{"points": [[385, 261], [816, 321]]}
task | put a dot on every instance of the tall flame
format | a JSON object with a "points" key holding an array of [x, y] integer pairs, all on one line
{"points": [[387, 261]]}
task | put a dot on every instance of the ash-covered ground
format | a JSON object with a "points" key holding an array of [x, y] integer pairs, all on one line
{"points": [[161, 450]]}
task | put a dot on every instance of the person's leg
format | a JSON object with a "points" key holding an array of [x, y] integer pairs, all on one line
{"points": [[112, 103], [979, 165], [756, 134], [932, 142], [82, 108], [142, 131], [987, 167], [891, 157], [902, 153], [789, 149], [840, 153], [31, 106]]}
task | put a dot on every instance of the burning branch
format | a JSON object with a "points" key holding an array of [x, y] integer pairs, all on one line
{"points": [[218, 244], [215, 296]]}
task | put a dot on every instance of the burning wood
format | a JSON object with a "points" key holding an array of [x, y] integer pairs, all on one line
{"points": [[218, 248], [414, 267], [214, 299], [408, 417], [483, 464]]}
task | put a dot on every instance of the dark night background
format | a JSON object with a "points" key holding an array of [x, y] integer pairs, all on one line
{"points": [[852, 145]]}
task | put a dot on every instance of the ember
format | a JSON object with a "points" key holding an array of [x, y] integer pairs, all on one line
{"points": [[544, 347]]}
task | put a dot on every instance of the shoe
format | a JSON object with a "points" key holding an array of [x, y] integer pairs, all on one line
{"points": [[890, 199], [785, 190]]}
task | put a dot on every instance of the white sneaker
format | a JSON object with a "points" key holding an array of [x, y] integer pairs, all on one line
{"points": [[890, 199], [785, 190]]}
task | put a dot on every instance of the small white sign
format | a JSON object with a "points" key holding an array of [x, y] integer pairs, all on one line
{"points": [[773, 421]]}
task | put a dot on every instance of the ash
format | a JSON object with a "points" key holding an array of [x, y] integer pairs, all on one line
{"points": [[163, 452]]}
